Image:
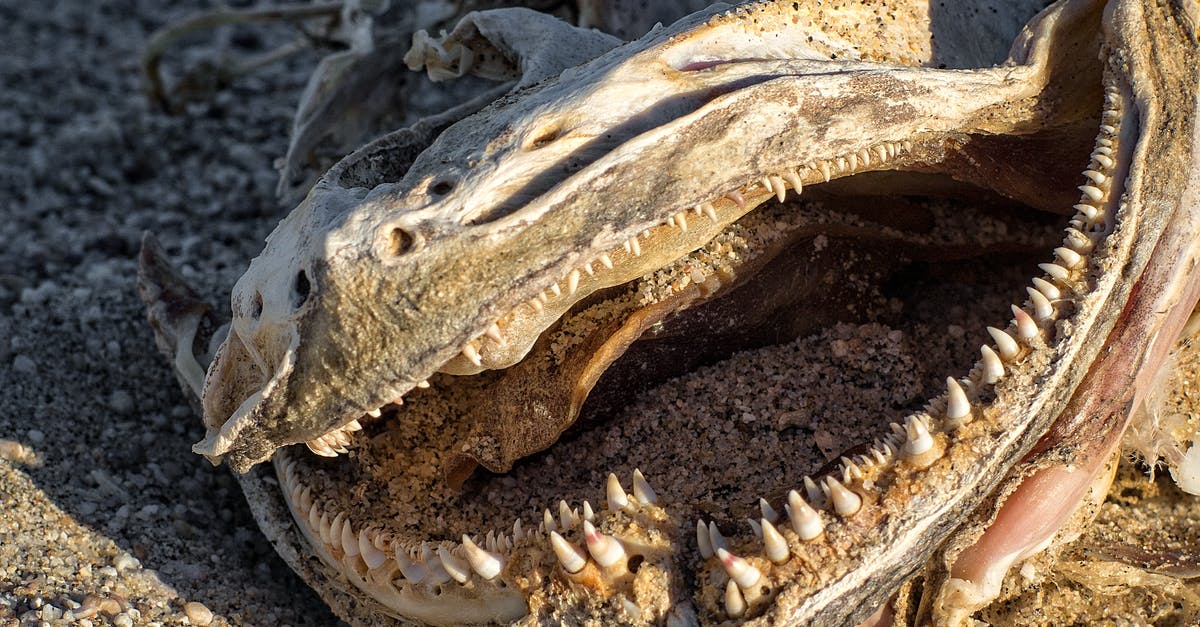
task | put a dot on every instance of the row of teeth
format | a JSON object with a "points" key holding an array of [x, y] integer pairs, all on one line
{"points": [[773, 184], [918, 442], [483, 559]]}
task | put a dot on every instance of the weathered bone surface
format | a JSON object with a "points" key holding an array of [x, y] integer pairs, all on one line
{"points": [[556, 237]]}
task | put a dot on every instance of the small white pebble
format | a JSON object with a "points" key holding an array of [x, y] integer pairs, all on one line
{"points": [[197, 613], [126, 562], [1028, 571], [123, 620]]}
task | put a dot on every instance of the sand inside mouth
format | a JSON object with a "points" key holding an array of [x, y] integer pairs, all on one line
{"points": [[716, 439]]}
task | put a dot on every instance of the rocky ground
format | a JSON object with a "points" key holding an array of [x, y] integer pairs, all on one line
{"points": [[105, 514]]}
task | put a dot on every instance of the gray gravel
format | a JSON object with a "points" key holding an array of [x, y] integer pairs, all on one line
{"points": [[106, 517]]}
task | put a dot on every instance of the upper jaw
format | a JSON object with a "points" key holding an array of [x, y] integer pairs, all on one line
{"points": [[376, 324]]}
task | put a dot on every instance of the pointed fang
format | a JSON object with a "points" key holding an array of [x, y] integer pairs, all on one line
{"points": [[482, 561], [739, 570], [806, 522], [845, 501], [617, 499], [957, 405], [606, 550], [735, 603], [571, 558], [642, 490], [774, 545]]}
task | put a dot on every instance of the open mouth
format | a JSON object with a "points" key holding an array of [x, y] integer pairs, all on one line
{"points": [[774, 400]]}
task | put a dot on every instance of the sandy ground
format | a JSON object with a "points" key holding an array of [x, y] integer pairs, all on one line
{"points": [[105, 514]]}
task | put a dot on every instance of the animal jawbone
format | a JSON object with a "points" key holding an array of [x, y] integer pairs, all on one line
{"points": [[829, 546]]}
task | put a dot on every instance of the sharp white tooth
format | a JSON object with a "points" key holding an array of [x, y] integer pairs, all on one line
{"points": [[845, 501], [371, 555], [555, 289], [737, 198], [1048, 289], [766, 183], [566, 517], [825, 172], [1055, 271], [617, 500], [437, 574], [1042, 308], [917, 441], [882, 152], [349, 539], [421, 384], [635, 246], [735, 603], [1092, 192], [843, 165], [588, 269], [957, 405], [774, 545], [1096, 177], [681, 221], [710, 211], [325, 529], [795, 181], [413, 571], [715, 539], [706, 549], [572, 282], [1104, 160], [864, 157], [375, 413], [493, 332], [571, 558], [1108, 128], [628, 247], [1105, 146], [755, 527], [455, 566], [1088, 211], [352, 426], [642, 490], [518, 530], [606, 550], [319, 447], [631, 609], [739, 570], [780, 187], [805, 520], [606, 261], [486, 563], [1027, 329], [548, 521], [1078, 242], [993, 368], [768, 512], [814, 492], [588, 514], [1070, 258], [851, 469], [472, 355], [314, 518], [1005, 343], [671, 221]]}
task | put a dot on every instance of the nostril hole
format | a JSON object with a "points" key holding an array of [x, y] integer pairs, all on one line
{"points": [[256, 307], [544, 137], [301, 289], [441, 188], [400, 242]]}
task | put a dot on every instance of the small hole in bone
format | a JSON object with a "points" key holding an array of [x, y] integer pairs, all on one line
{"points": [[401, 242], [301, 289], [441, 188], [634, 563], [257, 306], [543, 137]]}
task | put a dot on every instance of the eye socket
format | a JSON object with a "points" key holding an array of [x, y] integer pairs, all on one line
{"points": [[300, 289], [400, 242], [441, 188]]}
